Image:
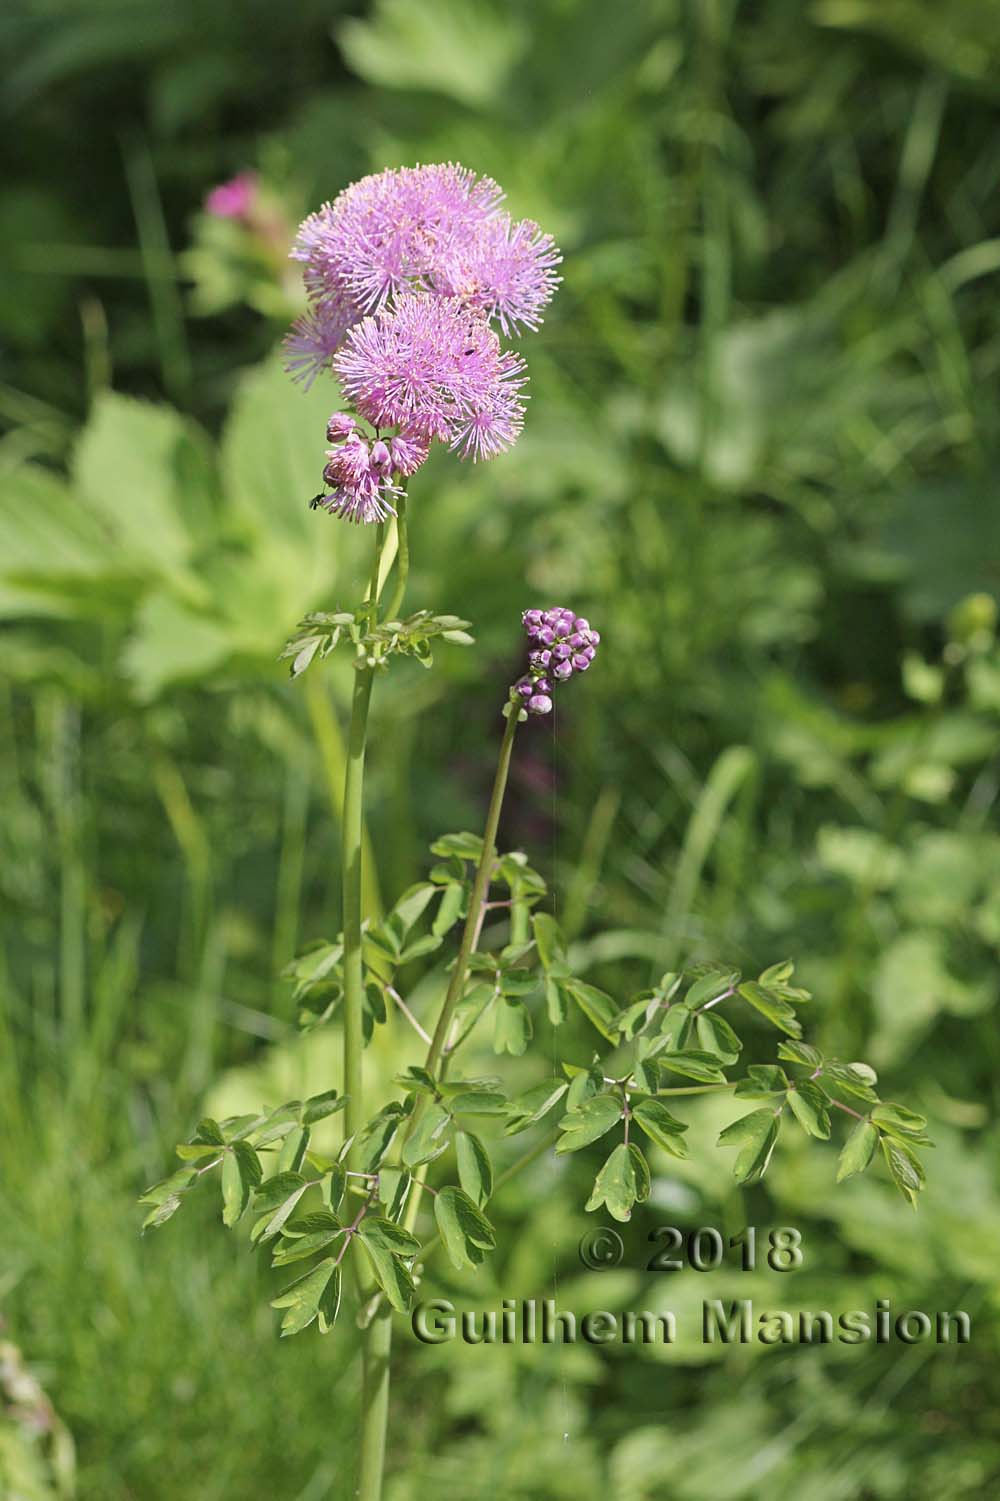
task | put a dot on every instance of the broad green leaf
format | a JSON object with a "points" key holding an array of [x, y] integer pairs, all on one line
{"points": [[462, 846], [809, 1106], [475, 1170], [392, 1275], [856, 1078], [754, 1135], [418, 1079], [793, 1051], [449, 909], [466, 1232], [319, 1106], [897, 1120], [127, 471], [300, 1247], [282, 1213], [857, 1151], [596, 1006], [302, 1297], [762, 1082], [660, 1126], [710, 985], [584, 1082], [589, 1121], [639, 1015], [275, 1190], [677, 1028], [241, 1173], [534, 1104], [512, 1027], [549, 940], [478, 1102], [376, 1136], [905, 1167], [693, 1064], [556, 1000], [165, 1197], [716, 1036], [771, 1005], [378, 1231], [293, 1149], [410, 907], [778, 974], [621, 1182], [463, 50], [329, 1303], [429, 1138]]}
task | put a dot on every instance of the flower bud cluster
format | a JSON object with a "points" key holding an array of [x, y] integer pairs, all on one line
{"points": [[360, 473], [563, 644]]}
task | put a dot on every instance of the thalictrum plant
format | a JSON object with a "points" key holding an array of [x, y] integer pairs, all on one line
{"points": [[414, 277]]}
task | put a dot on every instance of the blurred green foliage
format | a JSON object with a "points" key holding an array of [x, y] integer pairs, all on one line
{"points": [[760, 456]]}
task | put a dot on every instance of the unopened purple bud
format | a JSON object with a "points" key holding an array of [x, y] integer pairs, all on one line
{"points": [[525, 688], [547, 635], [543, 658], [340, 425], [540, 703], [563, 670], [595, 638], [532, 617], [380, 458], [577, 639], [561, 651], [581, 662], [543, 686], [580, 624], [590, 652]]}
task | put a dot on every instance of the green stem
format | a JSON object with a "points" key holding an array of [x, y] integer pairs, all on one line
{"points": [[376, 1348], [377, 1336], [351, 844], [470, 937], [402, 558], [333, 756], [699, 1088], [480, 890]]}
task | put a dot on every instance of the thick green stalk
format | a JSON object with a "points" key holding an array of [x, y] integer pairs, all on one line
{"points": [[470, 937], [351, 846], [376, 1337], [376, 1353]]}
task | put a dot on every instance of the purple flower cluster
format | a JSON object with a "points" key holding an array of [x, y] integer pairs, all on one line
{"points": [[438, 229], [564, 645], [434, 369], [360, 473], [406, 272]]}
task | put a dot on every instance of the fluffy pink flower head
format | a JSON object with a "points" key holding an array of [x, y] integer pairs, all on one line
{"points": [[406, 271], [434, 370], [437, 228]]}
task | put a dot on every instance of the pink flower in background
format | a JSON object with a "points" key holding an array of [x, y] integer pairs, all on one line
{"points": [[234, 199]]}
